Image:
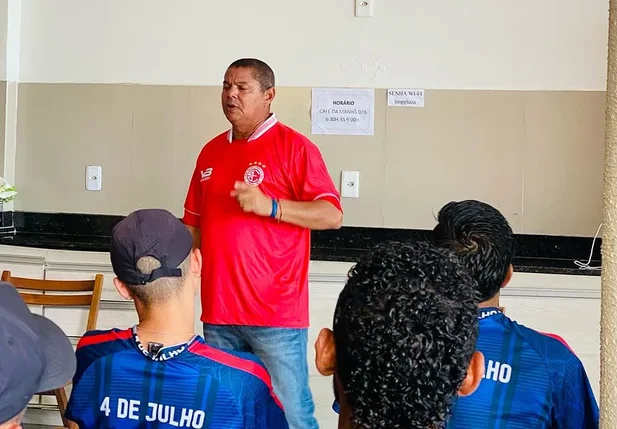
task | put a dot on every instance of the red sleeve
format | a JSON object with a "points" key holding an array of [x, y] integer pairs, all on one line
{"points": [[312, 181], [192, 204]]}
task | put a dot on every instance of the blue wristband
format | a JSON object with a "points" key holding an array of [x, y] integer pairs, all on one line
{"points": [[275, 208]]}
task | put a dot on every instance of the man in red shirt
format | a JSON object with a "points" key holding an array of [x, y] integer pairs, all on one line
{"points": [[255, 195]]}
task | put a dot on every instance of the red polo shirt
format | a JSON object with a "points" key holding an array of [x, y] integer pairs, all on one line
{"points": [[255, 269]]}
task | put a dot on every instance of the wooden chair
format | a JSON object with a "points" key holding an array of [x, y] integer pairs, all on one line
{"points": [[72, 293]]}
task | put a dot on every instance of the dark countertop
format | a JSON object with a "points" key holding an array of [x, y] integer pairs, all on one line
{"points": [[521, 264], [58, 241], [91, 232], [324, 248]]}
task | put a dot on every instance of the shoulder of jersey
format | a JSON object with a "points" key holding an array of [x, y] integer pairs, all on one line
{"points": [[551, 346], [292, 136], [100, 337], [215, 141], [246, 363], [203, 349]]}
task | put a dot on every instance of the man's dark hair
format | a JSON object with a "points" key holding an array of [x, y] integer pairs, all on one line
{"points": [[261, 71], [482, 238], [405, 328]]}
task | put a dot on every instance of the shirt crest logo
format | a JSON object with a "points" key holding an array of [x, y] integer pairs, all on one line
{"points": [[254, 174]]}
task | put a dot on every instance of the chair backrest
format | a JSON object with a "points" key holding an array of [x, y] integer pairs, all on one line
{"points": [[72, 293]]}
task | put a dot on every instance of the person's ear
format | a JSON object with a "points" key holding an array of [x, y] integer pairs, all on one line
{"points": [[269, 95], [475, 373], [122, 289], [508, 276], [325, 352], [195, 262]]}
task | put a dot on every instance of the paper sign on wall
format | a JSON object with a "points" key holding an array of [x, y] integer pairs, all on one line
{"points": [[406, 97], [343, 111]]}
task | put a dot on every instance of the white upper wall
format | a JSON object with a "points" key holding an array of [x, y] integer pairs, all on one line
{"points": [[449, 44]]}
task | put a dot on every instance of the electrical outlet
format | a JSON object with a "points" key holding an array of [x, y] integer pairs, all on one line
{"points": [[364, 8], [350, 184], [94, 177]]}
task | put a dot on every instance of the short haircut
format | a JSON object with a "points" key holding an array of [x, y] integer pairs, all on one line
{"points": [[162, 289], [261, 71], [482, 238], [405, 329]]}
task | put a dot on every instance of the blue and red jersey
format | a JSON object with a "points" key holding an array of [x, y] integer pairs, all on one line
{"points": [[119, 384], [531, 380]]}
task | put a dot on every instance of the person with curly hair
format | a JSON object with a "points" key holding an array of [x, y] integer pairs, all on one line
{"points": [[403, 341], [532, 379]]}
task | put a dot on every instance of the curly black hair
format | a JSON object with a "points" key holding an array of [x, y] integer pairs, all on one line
{"points": [[483, 240], [405, 328]]}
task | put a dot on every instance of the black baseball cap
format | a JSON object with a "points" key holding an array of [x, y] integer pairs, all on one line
{"points": [[149, 232], [36, 355]]}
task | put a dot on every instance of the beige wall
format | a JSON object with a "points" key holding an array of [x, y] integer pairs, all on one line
{"points": [[537, 155], [473, 44], [4, 20], [3, 86]]}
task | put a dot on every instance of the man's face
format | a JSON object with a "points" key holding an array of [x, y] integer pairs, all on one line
{"points": [[242, 98]]}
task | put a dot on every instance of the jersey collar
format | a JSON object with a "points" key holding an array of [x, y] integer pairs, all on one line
{"points": [[260, 131], [486, 312], [165, 353]]}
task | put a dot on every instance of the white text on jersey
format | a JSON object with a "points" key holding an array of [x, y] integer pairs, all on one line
{"points": [[497, 371], [131, 409]]}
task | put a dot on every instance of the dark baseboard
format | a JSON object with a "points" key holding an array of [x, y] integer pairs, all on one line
{"points": [[91, 232]]}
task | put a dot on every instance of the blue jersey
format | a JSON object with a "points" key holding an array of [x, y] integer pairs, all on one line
{"points": [[531, 380], [119, 384]]}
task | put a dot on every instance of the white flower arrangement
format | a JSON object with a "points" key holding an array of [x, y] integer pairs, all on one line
{"points": [[7, 191]]}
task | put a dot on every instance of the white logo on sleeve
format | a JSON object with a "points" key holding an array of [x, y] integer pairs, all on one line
{"points": [[205, 174], [254, 174]]}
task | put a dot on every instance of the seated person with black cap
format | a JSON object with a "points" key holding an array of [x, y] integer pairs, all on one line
{"points": [[36, 357], [159, 373]]}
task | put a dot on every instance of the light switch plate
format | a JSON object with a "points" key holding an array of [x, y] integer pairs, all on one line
{"points": [[94, 177], [350, 184], [364, 8]]}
